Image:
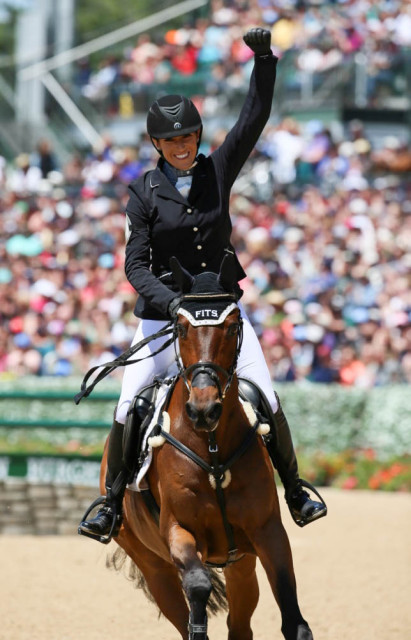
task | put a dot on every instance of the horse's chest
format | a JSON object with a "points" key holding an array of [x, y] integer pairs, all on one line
{"points": [[200, 506]]}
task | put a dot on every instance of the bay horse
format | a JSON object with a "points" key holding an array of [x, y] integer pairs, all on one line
{"points": [[212, 480]]}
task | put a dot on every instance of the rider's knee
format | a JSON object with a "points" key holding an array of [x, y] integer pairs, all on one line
{"points": [[255, 394], [122, 410]]}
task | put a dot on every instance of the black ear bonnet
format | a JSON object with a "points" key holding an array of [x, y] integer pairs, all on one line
{"points": [[208, 297]]}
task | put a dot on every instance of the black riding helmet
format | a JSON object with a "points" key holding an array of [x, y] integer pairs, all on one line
{"points": [[172, 116]]}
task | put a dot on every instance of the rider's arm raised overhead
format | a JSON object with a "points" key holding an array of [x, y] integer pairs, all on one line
{"points": [[240, 141]]}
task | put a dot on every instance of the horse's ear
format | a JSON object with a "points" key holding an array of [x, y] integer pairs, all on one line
{"points": [[183, 278], [228, 273]]}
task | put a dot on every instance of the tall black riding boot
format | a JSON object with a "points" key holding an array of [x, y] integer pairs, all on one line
{"points": [[281, 450], [107, 522]]}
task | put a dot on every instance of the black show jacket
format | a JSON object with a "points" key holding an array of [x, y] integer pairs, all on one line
{"points": [[197, 229]]}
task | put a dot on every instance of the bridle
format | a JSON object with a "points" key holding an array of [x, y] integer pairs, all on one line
{"points": [[210, 369]]}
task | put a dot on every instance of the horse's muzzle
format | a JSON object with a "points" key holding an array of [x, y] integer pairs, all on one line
{"points": [[205, 418]]}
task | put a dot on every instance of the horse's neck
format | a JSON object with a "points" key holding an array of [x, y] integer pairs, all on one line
{"points": [[233, 424]]}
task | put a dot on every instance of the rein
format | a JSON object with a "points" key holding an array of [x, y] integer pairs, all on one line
{"points": [[123, 361]]}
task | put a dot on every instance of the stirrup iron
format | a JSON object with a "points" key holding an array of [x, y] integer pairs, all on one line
{"points": [[102, 500], [302, 522]]}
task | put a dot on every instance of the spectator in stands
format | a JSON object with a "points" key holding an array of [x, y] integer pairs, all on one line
{"points": [[25, 177], [147, 63], [98, 88], [45, 158], [319, 40], [184, 59]]}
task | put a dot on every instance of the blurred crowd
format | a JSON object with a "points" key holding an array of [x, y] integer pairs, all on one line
{"points": [[321, 223], [321, 36]]}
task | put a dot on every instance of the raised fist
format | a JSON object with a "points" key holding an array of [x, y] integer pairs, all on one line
{"points": [[259, 41]]}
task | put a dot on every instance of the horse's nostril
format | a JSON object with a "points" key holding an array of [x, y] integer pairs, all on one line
{"points": [[213, 413], [191, 411]]}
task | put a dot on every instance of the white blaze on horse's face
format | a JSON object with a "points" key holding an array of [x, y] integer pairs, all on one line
{"points": [[208, 352]]}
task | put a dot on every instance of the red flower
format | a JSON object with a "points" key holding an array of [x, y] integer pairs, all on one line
{"points": [[350, 483], [396, 469], [375, 481]]}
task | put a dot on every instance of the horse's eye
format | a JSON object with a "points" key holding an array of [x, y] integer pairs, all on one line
{"points": [[232, 329], [182, 330]]}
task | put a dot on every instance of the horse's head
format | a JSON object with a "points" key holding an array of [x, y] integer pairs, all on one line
{"points": [[209, 330]]}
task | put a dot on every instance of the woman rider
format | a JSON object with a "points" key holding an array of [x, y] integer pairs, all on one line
{"points": [[181, 209]]}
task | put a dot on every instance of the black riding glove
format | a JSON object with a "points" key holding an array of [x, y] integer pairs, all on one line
{"points": [[259, 41], [173, 307]]}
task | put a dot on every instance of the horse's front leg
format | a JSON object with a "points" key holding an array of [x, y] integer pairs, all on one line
{"points": [[195, 577], [273, 549], [242, 595]]}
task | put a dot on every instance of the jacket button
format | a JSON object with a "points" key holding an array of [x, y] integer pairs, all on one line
{"points": [[199, 247], [195, 228], [189, 210], [203, 264]]}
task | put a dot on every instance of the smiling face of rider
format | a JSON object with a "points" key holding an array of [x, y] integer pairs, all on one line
{"points": [[180, 151]]}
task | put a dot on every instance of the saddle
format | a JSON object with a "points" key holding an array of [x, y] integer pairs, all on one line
{"points": [[139, 419]]}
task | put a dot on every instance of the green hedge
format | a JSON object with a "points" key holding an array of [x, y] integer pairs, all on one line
{"points": [[332, 418], [323, 418], [84, 442]]}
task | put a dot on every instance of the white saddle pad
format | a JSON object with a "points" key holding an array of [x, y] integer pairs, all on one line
{"points": [[136, 484]]}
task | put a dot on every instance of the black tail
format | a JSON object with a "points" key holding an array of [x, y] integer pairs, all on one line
{"points": [[120, 561]]}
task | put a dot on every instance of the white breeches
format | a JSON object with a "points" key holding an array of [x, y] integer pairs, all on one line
{"points": [[251, 363]]}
